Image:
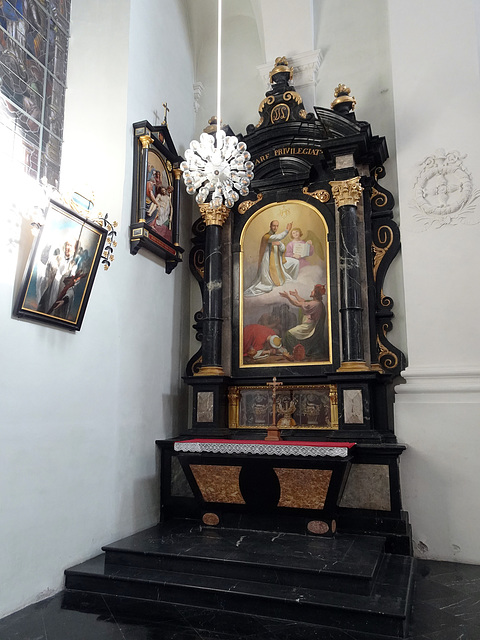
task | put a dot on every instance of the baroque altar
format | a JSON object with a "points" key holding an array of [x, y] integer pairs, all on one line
{"points": [[282, 497], [292, 286]]}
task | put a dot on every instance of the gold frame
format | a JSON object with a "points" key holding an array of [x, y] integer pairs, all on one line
{"points": [[234, 398], [328, 283]]}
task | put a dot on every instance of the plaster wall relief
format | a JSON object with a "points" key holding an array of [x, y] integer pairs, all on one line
{"points": [[198, 89], [444, 193]]}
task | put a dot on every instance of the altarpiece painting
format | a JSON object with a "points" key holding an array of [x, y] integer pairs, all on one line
{"points": [[284, 280]]}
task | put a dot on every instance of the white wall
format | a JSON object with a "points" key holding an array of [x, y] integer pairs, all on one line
{"points": [[437, 100], [80, 412], [242, 89]]}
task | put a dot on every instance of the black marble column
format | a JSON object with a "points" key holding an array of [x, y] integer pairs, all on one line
{"points": [[350, 288], [347, 194], [212, 292]]}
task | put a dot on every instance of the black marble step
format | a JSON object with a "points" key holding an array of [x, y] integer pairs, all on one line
{"points": [[384, 611], [345, 563]]}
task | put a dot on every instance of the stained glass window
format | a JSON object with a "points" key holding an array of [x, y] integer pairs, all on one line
{"points": [[33, 69]]}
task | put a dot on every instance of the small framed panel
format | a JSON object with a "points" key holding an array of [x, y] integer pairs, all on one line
{"points": [[297, 407], [63, 263], [285, 293], [156, 194]]}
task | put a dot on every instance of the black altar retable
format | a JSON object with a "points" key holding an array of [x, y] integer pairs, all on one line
{"points": [[293, 334], [292, 284]]}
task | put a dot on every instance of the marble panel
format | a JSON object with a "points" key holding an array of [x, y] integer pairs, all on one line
{"points": [[218, 483], [205, 406], [179, 484], [352, 406], [303, 488], [368, 487]]}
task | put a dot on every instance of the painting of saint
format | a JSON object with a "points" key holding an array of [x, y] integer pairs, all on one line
{"points": [[284, 305], [159, 209]]}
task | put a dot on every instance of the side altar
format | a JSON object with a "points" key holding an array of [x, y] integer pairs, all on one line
{"points": [[282, 499], [292, 279]]}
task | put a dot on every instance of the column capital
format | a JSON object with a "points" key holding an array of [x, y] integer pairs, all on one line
{"points": [[347, 192], [146, 141], [216, 216]]}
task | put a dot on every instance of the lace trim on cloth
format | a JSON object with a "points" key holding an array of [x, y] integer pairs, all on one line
{"points": [[261, 449]]}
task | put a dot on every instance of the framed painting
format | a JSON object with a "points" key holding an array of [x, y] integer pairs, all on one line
{"points": [[285, 317], [61, 270], [156, 193]]}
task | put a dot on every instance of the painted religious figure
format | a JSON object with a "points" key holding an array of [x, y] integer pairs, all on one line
{"points": [[159, 208], [284, 306], [61, 270]]}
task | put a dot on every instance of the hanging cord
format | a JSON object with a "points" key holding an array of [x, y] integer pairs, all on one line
{"points": [[219, 66]]}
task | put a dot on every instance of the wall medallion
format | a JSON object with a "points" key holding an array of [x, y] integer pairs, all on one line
{"points": [[444, 192]]}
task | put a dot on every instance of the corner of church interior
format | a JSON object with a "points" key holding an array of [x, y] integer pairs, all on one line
{"points": [[80, 413]]}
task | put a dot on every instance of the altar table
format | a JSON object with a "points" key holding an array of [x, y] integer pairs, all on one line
{"points": [[279, 485]]}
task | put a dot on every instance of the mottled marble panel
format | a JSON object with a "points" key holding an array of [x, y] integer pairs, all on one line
{"points": [[303, 488], [344, 162], [205, 406], [368, 487], [218, 483], [179, 484], [353, 406]]}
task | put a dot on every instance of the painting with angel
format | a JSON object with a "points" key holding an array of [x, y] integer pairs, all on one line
{"points": [[284, 299]]}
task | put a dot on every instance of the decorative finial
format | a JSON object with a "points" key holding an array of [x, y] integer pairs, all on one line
{"points": [[343, 102], [212, 125], [281, 66], [164, 122]]}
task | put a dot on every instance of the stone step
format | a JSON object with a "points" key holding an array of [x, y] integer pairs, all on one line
{"points": [[344, 563], [383, 611]]}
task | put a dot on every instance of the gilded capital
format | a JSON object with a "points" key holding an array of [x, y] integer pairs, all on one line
{"points": [[177, 173], [346, 192], [146, 141], [214, 216]]}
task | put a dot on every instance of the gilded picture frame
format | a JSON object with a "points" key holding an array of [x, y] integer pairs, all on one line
{"points": [[310, 407], [285, 301]]}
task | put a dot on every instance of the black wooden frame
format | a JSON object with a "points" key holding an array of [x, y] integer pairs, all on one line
{"points": [[157, 141], [38, 255]]}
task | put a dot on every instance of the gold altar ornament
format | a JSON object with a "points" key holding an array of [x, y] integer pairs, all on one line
{"points": [[281, 66], [346, 192]]}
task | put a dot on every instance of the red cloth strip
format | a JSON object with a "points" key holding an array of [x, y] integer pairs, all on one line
{"points": [[298, 443]]}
